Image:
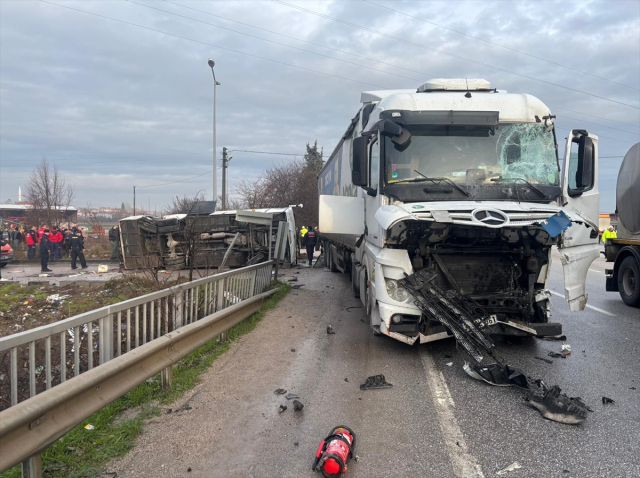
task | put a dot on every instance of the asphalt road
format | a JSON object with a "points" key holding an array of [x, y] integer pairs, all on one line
{"points": [[434, 421]]}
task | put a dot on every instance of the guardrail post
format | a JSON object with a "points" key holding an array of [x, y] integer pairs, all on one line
{"points": [[252, 286], [166, 377], [32, 467], [178, 306]]}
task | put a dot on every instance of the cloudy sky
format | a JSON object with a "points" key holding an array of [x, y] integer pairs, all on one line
{"points": [[120, 103]]}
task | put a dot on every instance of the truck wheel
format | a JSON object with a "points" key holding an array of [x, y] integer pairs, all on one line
{"points": [[354, 285], [332, 262], [629, 281]]}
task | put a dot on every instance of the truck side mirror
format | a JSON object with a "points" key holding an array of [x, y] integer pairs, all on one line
{"points": [[586, 163], [359, 171]]}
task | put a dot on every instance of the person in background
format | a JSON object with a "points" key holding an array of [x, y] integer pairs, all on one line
{"points": [[12, 236], [45, 249], [41, 231], [56, 243], [32, 240], [76, 243], [114, 239], [310, 240], [609, 234], [66, 233], [315, 228], [2, 244], [18, 239]]}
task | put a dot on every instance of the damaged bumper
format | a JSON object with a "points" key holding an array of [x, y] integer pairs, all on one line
{"points": [[575, 266]]}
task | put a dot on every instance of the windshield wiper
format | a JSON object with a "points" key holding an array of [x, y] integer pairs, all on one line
{"points": [[515, 180], [439, 180]]}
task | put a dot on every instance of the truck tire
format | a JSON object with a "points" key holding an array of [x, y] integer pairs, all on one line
{"points": [[354, 286], [629, 281], [332, 262]]}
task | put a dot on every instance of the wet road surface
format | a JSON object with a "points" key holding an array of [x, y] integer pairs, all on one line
{"points": [[434, 421]]}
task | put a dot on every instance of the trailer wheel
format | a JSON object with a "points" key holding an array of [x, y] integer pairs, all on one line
{"points": [[629, 281], [332, 262]]}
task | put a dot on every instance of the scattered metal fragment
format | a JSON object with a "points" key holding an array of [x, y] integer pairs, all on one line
{"points": [[449, 364], [512, 467], [544, 359], [606, 400], [375, 381], [330, 330], [279, 391], [282, 408], [291, 396], [297, 405]]}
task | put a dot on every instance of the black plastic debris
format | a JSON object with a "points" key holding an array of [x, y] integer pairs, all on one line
{"points": [[346, 379], [282, 408], [375, 381], [293, 350], [557, 355], [544, 359], [297, 286], [297, 405], [632, 388], [169, 410], [279, 391], [330, 330], [497, 374], [189, 469], [555, 405], [292, 396], [560, 338], [606, 400]]}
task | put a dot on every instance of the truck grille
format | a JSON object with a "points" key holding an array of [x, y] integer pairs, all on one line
{"points": [[516, 218]]}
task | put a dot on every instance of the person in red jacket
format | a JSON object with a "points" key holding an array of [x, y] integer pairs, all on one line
{"points": [[32, 240], [55, 237]]}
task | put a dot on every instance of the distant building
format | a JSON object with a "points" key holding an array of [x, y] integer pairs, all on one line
{"points": [[20, 212]]}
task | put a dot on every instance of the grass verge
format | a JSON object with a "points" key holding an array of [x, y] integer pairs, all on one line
{"points": [[82, 453]]}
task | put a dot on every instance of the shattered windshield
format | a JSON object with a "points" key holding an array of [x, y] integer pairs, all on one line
{"points": [[479, 155]]}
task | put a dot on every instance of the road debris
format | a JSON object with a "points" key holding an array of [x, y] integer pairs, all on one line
{"points": [[556, 355], [565, 350], [334, 452], [330, 330], [279, 391], [544, 360], [292, 396], [89, 426], [469, 323], [449, 364], [556, 406], [282, 408], [558, 338], [293, 350], [512, 467], [375, 381], [297, 405], [606, 400]]}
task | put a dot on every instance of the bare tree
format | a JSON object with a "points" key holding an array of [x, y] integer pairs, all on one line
{"points": [[48, 193]]}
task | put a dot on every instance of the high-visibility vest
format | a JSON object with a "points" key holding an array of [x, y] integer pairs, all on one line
{"points": [[303, 232], [607, 234]]}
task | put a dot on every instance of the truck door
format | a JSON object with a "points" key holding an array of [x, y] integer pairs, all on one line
{"points": [[373, 230], [578, 243]]}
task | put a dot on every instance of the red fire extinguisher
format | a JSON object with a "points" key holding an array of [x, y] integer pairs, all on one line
{"points": [[334, 451]]}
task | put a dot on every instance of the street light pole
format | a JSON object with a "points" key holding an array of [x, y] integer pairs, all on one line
{"points": [[211, 64], [134, 200]]}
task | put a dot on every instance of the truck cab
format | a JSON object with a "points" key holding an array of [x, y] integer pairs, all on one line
{"points": [[463, 180]]}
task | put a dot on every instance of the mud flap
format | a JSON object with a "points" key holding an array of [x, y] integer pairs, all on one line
{"points": [[575, 266]]}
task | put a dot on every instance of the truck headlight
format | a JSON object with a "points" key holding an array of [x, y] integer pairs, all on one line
{"points": [[396, 292]]}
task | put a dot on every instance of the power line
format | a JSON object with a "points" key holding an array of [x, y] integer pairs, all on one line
{"points": [[597, 124], [209, 44], [501, 46], [174, 182], [602, 137], [453, 55], [361, 56], [270, 41], [270, 152]]}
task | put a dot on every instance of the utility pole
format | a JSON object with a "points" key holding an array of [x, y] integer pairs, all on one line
{"points": [[211, 64], [134, 200], [225, 161]]}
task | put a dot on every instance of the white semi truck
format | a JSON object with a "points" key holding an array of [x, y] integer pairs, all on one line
{"points": [[465, 181]]}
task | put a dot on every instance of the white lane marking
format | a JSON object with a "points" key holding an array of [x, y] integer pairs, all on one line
{"points": [[590, 306], [464, 463]]}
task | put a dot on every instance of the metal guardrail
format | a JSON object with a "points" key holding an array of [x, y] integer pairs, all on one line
{"points": [[35, 424], [47, 356]]}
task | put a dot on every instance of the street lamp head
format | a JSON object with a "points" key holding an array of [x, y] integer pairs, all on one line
{"points": [[218, 83], [211, 63]]}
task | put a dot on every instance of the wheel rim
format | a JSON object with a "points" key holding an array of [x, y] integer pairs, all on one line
{"points": [[629, 281]]}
